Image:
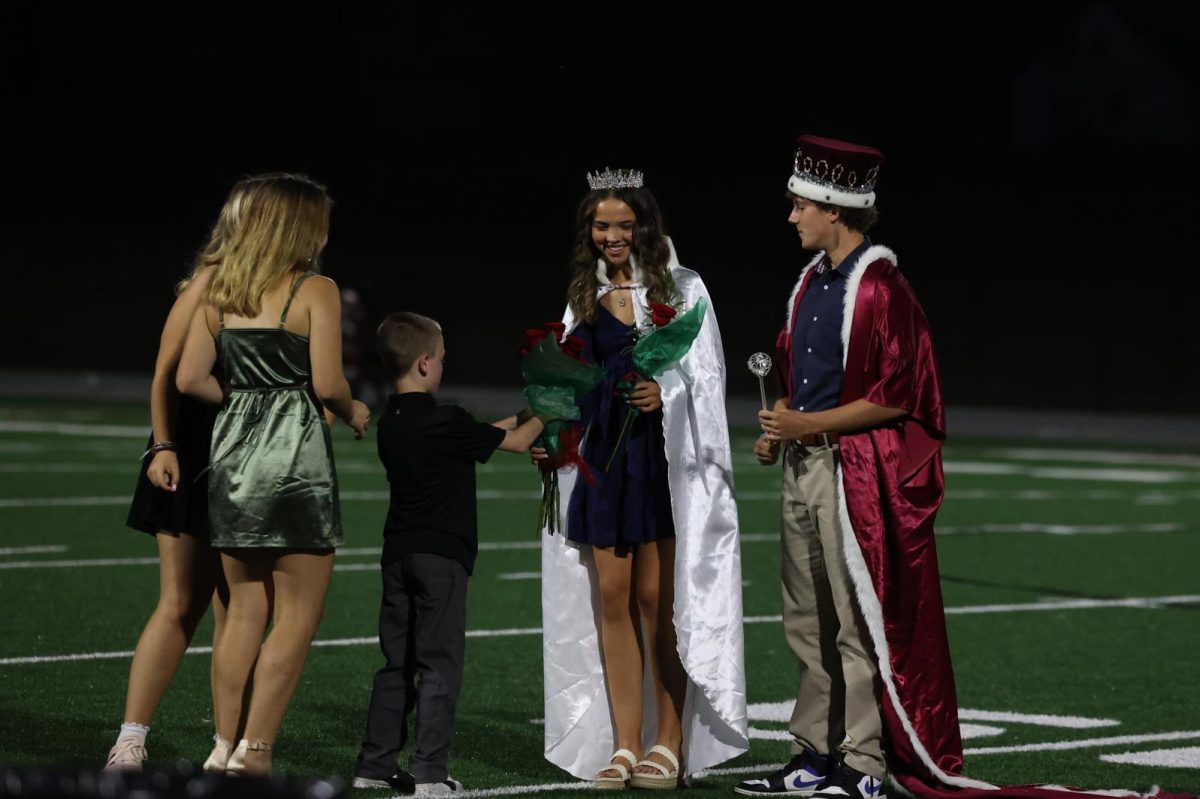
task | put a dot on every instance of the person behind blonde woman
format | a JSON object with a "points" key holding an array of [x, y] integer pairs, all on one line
{"points": [[170, 502], [273, 327]]}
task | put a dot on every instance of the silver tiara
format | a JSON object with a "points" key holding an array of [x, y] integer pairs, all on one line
{"points": [[621, 179]]}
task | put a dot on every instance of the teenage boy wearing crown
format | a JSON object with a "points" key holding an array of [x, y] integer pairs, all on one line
{"points": [[859, 423]]}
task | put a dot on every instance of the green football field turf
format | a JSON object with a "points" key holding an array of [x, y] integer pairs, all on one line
{"points": [[1071, 576]]}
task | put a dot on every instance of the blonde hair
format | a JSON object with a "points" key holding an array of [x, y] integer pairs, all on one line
{"points": [[270, 225]]}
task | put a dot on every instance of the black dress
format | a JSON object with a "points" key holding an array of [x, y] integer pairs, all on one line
{"points": [[631, 502], [184, 510]]}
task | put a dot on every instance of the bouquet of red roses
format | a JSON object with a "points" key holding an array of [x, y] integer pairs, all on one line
{"points": [[656, 351], [556, 376]]}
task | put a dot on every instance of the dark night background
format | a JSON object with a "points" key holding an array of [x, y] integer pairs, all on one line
{"points": [[1038, 187]]}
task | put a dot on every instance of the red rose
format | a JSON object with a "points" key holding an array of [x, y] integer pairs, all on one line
{"points": [[556, 328], [661, 314], [533, 337], [573, 347]]}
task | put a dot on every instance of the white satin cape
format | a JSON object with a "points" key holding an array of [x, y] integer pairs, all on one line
{"points": [[708, 577]]}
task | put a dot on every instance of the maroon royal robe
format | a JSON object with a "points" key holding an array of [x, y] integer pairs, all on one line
{"points": [[890, 489]]}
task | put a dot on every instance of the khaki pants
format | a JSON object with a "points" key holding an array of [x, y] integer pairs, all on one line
{"points": [[837, 704]]}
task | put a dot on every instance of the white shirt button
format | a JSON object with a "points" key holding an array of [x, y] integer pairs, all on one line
{"points": [[810, 349], [826, 288], [806, 380], [801, 407], [814, 318]]}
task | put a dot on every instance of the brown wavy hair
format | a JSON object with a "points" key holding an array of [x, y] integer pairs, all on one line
{"points": [[270, 225], [649, 247]]}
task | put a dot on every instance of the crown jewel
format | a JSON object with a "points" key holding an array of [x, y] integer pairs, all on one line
{"points": [[620, 179]]}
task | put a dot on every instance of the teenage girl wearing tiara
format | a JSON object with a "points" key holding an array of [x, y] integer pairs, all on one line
{"points": [[646, 583]]}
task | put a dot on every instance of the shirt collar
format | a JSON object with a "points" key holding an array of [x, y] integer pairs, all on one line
{"points": [[411, 400], [847, 266]]}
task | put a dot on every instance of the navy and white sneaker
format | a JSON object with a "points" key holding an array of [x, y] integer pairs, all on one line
{"points": [[847, 783], [800, 777]]}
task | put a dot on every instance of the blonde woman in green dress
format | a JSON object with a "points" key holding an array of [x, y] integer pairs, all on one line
{"points": [[274, 328]]}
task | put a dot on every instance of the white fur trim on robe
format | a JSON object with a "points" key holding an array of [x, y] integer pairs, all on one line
{"points": [[708, 578]]}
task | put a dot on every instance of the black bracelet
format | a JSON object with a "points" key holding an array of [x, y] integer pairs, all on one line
{"points": [[160, 447]]}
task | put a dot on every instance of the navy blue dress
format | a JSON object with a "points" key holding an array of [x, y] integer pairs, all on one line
{"points": [[631, 503]]}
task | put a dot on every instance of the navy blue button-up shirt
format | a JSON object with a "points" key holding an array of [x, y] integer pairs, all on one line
{"points": [[817, 336]]}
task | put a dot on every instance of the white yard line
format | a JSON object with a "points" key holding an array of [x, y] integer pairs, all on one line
{"points": [[519, 790], [61, 502], [1076, 604], [519, 576], [55, 468], [76, 429], [758, 538], [1069, 472], [1060, 529], [782, 712], [1135, 602], [1183, 757], [1095, 456], [75, 564], [1086, 743], [1041, 720], [7, 551]]}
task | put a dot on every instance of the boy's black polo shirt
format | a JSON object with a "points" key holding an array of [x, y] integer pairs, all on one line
{"points": [[430, 451]]}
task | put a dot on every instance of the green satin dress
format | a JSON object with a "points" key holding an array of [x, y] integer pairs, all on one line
{"points": [[272, 481]]}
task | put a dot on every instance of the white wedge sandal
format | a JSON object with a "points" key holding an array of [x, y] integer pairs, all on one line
{"points": [[615, 783], [667, 779]]}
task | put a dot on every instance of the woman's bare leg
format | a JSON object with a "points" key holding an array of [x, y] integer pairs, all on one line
{"points": [[248, 575], [188, 569], [621, 645], [301, 581], [654, 571]]}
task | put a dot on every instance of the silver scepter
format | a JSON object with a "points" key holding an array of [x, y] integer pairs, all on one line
{"points": [[760, 365]]}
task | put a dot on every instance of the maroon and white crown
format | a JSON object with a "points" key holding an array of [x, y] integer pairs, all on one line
{"points": [[835, 172], [618, 179]]}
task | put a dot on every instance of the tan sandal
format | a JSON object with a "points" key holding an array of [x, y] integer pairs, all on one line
{"points": [[615, 783], [666, 779], [236, 766]]}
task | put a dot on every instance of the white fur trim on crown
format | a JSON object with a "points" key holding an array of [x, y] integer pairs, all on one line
{"points": [[828, 194]]}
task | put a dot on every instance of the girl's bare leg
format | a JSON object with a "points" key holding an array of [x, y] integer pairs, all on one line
{"points": [[654, 571], [301, 581], [187, 571], [621, 646]]}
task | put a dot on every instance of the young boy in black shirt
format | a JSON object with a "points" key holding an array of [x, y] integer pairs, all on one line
{"points": [[430, 542]]}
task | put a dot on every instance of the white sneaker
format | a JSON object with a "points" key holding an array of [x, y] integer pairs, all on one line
{"points": [[401, 782], [446, 787], [127, 754]]}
